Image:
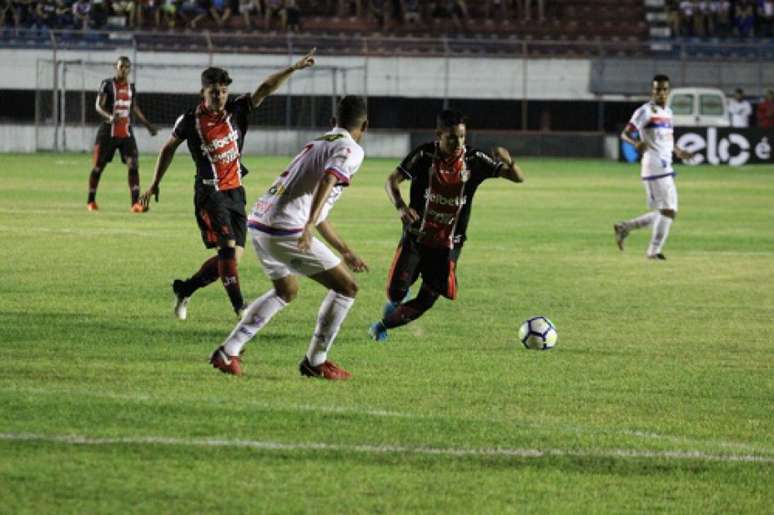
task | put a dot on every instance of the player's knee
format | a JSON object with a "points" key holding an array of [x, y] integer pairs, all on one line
{"points": [[348, 289], [397, 294], [426, 299], [669, 213], [97, 170], [287, 292]]}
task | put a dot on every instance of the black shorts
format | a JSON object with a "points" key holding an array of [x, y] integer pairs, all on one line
{"points": [[220, 215], [437, 266], [105, 147]]}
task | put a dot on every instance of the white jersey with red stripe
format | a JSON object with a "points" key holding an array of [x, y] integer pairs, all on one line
{"points": [[654, 123], [284, 209]]}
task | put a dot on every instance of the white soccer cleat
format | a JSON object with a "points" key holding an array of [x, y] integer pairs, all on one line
{"points": [[181, 302]]}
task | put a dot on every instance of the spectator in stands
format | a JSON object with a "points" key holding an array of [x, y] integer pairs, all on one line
{"points": [[456, 10], [144, 9], [82, 14], [166, 13], [498, 9], [125, 9], [764, 113], [98, 14], [350, 7], [673, 17], [292, 16], [765, 18], [64, 15], [687, 9], [744, 19], [410, 11], [274, 9], [45, 16], [378, 9], [541, 9], [193, 11], [739, 110], [6, 13], [248, 7], [220, 11], [23, 12], [721, 11]]}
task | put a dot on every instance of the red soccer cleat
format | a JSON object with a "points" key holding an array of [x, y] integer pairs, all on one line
{"points": [[92, 206], [328, 370], [225, 363], [137, 208]]}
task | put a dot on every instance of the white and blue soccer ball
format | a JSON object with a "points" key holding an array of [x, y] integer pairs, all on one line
{"points": [[538, 333]]}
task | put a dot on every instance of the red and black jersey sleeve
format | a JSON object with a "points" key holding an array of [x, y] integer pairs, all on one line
{"points": [[418, 161], [483, 166], [184, 126], [106, 89]]}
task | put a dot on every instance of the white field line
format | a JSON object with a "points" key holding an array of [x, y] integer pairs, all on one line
{"points": [[384, 449], [357, 410]]}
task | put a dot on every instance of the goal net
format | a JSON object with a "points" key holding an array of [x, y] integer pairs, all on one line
{"points": [[66, 92]]}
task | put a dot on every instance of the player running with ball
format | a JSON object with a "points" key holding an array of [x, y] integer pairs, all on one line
{"points": [[650, 131], [444, 176]]}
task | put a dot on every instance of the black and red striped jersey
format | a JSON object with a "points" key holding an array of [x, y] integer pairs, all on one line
{"points": [[119, 101], [442, 191], [215, 141]]}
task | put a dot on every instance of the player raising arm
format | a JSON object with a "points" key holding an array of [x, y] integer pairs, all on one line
{"points": [[650, 130], [281, 227], [215, 133], [444, 176]]}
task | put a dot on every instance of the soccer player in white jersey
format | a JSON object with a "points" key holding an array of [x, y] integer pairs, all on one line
{"points": [[650, 131], [281, 225]]}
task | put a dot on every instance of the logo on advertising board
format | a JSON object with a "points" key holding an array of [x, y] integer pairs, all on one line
{"points": [[726, 146]]}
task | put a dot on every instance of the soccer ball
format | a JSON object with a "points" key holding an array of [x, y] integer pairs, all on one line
{"points": [[538, 333]]}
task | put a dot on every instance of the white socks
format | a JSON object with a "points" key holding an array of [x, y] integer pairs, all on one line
{"points": [[258, 315], [641, 221], [659, 236], [333, 311]]}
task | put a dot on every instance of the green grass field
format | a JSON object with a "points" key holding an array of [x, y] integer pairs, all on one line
{"points": [[659, 396]]}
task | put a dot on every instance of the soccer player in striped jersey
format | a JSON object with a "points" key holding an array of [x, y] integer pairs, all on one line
{"points": [[281, 225], [215, 133], [117, 105], [650, 131], [445, 175]]}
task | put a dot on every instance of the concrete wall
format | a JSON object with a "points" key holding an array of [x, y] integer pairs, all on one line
{"points": [[460, 77]]}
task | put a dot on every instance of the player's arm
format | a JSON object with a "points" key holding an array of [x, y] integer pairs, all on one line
{"points": [[162, 164], [273, 82], [321, 194], [99, 105], [331, 235], [141, 117], [511, 170], [392, 187], [628, 135]]}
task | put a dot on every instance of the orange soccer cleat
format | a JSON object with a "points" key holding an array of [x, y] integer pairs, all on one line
{"points": [[137, 208], [225, 363], [328, 370], [92, 206]]}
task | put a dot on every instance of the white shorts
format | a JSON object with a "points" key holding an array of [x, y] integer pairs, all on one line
{"points": [[280, 257], [661, 193]]}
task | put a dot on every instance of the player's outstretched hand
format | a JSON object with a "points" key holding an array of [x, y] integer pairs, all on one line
{"points": [[354, 262], [153, 130], [145, 197], [503, 155], [641, 146], [305, 241], [306, 61]]}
